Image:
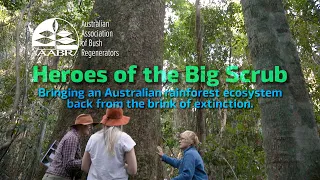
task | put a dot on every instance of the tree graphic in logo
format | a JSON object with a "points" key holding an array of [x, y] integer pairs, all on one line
{"points": [[53, 34]]}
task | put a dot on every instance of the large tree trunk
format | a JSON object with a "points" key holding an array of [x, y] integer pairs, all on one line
{"points": [[138, 28], [291, 141]]}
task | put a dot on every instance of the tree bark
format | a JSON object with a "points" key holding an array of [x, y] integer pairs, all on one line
{"points": [[138, 29], [291, 141], [201, 123]]}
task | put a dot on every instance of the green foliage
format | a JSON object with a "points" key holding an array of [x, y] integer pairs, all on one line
{"points": [[224, 43], [169, 134], [33, 113], [235, 151], [239, 151], [12, 5]]}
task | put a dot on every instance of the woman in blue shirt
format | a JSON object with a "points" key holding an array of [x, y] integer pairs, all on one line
{"points": [[191, 166]]}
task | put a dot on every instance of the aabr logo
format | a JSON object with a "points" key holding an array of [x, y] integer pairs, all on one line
{"points": [[52, 38]]}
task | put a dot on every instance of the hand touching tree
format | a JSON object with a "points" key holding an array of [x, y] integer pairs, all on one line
{"points": [[160, 151]]}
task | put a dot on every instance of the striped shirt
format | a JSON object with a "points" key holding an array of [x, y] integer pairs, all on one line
{"points": [[67, 159]]}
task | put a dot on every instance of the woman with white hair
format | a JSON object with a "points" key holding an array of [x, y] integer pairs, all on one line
{"points": [[191, 166], [109, 153]]}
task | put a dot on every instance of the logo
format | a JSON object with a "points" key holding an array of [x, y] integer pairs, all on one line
{"points": [[55, 37]]}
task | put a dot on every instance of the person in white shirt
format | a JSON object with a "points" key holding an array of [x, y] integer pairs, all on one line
{"points": [[109, 153]]}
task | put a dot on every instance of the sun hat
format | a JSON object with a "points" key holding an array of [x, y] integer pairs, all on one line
{"points": [[114, 117], [84, 119]]}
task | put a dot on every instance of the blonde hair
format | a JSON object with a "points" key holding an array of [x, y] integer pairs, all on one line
{"points": [[111, 136], [191, 137]]}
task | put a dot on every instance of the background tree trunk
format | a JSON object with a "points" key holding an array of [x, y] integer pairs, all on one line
{"points": [[138, 29], [201, 123], [291, 141]]}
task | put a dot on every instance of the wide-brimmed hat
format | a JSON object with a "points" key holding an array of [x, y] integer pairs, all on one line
{"points": [[114, 117], [84, 119]]}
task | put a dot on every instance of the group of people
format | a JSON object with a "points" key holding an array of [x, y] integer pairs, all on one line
{"points": [[110, 154]]}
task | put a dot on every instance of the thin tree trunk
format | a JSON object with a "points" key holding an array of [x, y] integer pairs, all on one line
{"points": [[223, 121], [200, 120], [291, 141], [222, 113]]}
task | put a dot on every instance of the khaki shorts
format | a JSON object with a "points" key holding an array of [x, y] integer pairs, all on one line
{"points": [[53, 177]]}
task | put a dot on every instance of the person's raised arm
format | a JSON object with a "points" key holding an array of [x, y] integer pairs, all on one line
{"points": [[131, 161], [172, 161]]}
